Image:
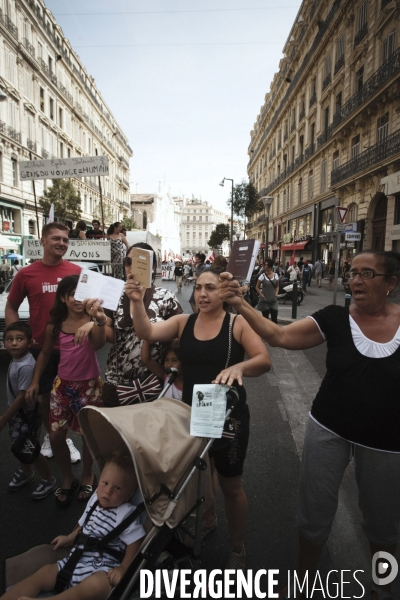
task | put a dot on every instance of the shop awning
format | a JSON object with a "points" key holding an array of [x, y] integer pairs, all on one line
{"points": [[6, 242], [295, 245]]}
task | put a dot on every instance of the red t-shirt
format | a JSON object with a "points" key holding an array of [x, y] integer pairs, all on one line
{"points": [[38, 282]]}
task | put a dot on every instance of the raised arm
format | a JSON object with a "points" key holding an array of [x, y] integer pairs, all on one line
{"points": [[296, 336]]}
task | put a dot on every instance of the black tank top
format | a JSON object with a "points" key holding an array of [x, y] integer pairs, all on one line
{"points": [[203, 360]]}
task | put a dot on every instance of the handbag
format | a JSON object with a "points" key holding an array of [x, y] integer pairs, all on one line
{"points": [[145, 388], [26, 447]]}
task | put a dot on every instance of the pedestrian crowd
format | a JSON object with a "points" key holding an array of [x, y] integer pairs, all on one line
{"points": [[54, 373]]}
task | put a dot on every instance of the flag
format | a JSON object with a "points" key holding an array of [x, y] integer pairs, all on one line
{"points": [[51, 214], [293, 257]]}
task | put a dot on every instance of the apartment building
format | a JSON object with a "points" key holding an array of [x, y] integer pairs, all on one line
{"points": [[50, 107], [199, 218], [328, 133]]}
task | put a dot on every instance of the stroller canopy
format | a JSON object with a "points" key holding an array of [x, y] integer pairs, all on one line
{"points": [[157, 437]]}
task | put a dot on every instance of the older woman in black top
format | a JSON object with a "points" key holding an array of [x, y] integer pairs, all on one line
{"points": [[204, 341], [357, 406]]}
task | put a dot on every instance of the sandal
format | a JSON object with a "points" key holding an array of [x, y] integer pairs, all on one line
{"points": [[68, 493], [87, 489]]}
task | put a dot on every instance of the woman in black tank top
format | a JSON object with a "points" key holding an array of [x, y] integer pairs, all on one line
{"points": [[204, 340]]}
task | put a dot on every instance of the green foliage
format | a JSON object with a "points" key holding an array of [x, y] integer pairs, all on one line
{"points": [[245, 199], [220, 233], [108, 214], [66, 200], [129, 223]]}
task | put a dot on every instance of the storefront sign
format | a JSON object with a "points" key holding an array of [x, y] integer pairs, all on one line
{"points": [[59, 168], [351, 226], [352, 237], [325, 238], [93, 250], [394, 232], [392, 184]]}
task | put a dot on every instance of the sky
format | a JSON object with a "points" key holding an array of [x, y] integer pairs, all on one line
{"points": [[185, 80]]}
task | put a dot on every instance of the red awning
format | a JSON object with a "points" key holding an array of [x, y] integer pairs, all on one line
{"points": [[295, 245]]}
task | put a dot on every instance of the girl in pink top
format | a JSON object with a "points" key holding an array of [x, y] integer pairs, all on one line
{"points": [[78, 327]]}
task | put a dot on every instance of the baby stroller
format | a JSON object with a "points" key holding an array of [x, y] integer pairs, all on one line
{"points": [[174, 481]]}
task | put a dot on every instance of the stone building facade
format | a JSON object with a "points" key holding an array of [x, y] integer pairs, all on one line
{"points": [[199, 218], [328, 133], [50, 107]]}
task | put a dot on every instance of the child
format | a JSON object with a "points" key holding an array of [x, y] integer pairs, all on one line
{"points": [[79, 327], [17, 341], [171, 359], [95, 574]]}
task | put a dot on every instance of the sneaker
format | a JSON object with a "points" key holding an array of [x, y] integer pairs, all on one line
{"points": [[46, 447], [236, 560], [19, 480], [74, 452], [44, 488]]}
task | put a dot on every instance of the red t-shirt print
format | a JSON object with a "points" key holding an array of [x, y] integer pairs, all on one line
{"points": [[38, 282]]}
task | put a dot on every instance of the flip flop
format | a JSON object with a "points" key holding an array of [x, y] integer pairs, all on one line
{"points": [[87, 489], [68, 493]]}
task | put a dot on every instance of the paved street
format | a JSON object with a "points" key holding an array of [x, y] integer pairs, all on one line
{"points": [[279, 404]]}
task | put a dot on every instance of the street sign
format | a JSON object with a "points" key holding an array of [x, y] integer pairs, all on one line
{"points": [[352, 237], [340, 227], [342, 212]]}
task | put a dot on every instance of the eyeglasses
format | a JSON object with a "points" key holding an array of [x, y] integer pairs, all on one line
{"points": [[127, 261], [364, 274]]}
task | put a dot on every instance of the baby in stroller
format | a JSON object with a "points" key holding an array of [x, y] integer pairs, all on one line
{"points": [[95, 573]]}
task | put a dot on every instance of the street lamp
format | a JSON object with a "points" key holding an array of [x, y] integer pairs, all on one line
{"points": [[222, 184], [267, 201]]}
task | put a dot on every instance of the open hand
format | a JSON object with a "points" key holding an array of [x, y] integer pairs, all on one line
{"points": [[61, 541], [229, 375]]}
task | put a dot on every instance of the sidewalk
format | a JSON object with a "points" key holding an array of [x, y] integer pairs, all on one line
{"points": [[314, 299]]}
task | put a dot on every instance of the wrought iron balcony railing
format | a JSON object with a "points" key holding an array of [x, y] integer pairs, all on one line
{"points": [[361, 35], [370, 157], [309, 151], [313, 99], [44, 154], [65, 93], [326, 81], [31, 145], [14, 134], [124, 161], [285, 136], [29, 47], [302, 114], [10, 25], [2, 127]]}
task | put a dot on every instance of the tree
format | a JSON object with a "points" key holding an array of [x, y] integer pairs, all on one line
{"points": [[66, 200], [220, 233], [245, 199], [129, 223]]}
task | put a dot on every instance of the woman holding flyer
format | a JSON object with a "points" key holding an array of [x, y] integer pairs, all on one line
{"points": [[213, 344], [124, 364]]}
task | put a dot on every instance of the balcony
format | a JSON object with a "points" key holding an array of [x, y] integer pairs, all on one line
{"points": [[338, 65], [2, 127], [302, 114], [53, 77], [372, 156], [325, 136], [309, 151], [14, 134], [124, 161], [279, 145], [5, 19], [313, 99], [29, 47], [65, 93], [125, 183], [389, 68], [78, 108], [326, 81], [31, 145], [361, 35], [43, 66], [44, 154], [108, 194]]}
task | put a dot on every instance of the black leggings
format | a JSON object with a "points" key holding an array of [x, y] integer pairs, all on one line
{"points": [[274, 314]]}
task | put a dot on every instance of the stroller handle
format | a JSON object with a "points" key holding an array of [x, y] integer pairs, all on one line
{"points": [[232, 398]]}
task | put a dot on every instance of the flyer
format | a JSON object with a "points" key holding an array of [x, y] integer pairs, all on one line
{"points": [[96, 285], [208, 410]]}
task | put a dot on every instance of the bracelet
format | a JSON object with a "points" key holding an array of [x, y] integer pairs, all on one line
{"points": [[99, 324]]}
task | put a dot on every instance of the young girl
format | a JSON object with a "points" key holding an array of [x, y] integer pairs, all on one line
{"points": [[170, 359], [79, 328], [94, 575]]}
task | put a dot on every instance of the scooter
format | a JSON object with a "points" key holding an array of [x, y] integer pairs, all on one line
{"points": [[286, 289]]}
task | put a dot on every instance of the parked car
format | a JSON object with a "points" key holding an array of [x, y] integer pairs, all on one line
{"points": [[23, 310]]}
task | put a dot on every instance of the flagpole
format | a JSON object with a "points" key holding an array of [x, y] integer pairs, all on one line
{"points": [[34, 196]]}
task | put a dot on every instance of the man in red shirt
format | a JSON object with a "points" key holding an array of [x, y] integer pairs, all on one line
{"points": [[38, 282]]}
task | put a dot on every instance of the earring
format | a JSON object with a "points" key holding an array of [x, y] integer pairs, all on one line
{"points": [[387, 293]]}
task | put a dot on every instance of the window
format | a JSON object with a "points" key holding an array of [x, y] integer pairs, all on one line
{"points": [[383, 124], [339, 47], [11, 66], [60, 117], [31, 227], [300, 191], [355, 146], [206, 219], [327, 66], [1, 166], [362, 16], [323, 176], [40, 50], [359, 79], [338, 102], [326, 119], [396, 211], [28, 84], [69, 152], [61, 150], [335, 160], [51, 108], [50, 64], [312, 134], [310, 184], [388, 46], [14, 172], [41, 99]]}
